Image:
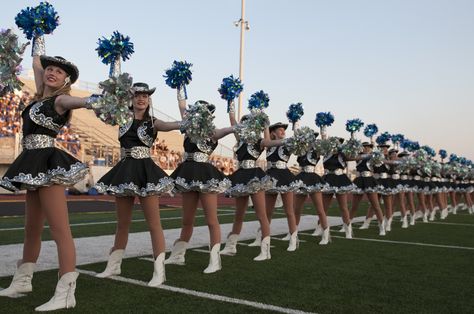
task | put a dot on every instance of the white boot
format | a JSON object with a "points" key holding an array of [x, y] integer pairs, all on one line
{"points": [[348, 230], [264, 250], [432, 215], [113, 264], [318, 231], [343, 229], [258, 238], [159, 275], [177, 254], [444, 214], [405, 222], [366, 224], [382, 228], [412, 220], [425, 216], [388, 224], [326, 237], [214, 260], [63, 296], [21, 282], [418, 214], [450, 208], [286, 237], [231, 245], [294, 242], [455, 209], [471, 210]]}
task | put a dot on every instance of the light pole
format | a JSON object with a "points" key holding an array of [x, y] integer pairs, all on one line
{"points": [[244, 26]]}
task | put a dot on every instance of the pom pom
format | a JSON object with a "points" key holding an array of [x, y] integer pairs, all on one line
{"points": [[414, 146], [354, 125], [198, 122], [397, 138], [443, 153], [230, 88], [114, 106], [259, 100], [370, 130], [328, 146], [453, 158], [250, 130], [352, 148], [117, 46], [377, 158], [383, 138], [295, 112], [11, 52], [37, 21], [324, 119], [179, 75], [302, 141], [430, 151]]}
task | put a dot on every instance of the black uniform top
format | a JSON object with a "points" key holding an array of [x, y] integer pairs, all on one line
{"points": [[137, 133], [364, 165], [278, 153], [206, 147], [245, 151], [310, 159], [333, 162], [41, 118]]}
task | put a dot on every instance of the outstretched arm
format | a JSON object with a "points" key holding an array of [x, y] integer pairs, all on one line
{"points": [[166, 126], [268, 142], [220, 133], [64, 103]]}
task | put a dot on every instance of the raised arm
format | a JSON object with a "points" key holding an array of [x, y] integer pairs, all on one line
{"points": [[268, 142], [165, 126], [181, 102], [232, 119], [38, 72]]}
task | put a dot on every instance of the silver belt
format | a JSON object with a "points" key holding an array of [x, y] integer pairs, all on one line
{"points": [[395, 176], [365, 174], [337, 172], [35, 141], [427, 179], [410, 177], [382, 175], [248, 164], [197, 156], [136, 152], [404, 177], [309, 169], [417, 178], [276, 164]]}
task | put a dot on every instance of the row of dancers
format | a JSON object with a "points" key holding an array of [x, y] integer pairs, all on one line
{"points": [[44, 171]]}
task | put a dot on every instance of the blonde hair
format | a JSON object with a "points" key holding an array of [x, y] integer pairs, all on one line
{"points": [[63, 90]]}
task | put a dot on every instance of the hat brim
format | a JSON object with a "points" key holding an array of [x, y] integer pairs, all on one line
{"points": [[69, 67], [144, 91], [368, 145], [277, 126], [383, 145]]}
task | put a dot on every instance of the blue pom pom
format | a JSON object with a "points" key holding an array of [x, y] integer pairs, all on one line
{"points": [[179, 74], [295, 112], [414, 146], [443, 153], [37, 21], [397, 138], [405, 143], [117, 46], [383, 138], [453, 158], [354, 125], [230, 88], [259, 100], [370, 130], [430, 151], [324, 119]]}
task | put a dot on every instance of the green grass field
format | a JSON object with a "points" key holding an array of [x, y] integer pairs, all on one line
{"points": [[427, 268]]}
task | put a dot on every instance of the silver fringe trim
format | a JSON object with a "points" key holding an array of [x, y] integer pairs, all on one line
{"points": [[210, 186], [165, 185], [253, 186]]}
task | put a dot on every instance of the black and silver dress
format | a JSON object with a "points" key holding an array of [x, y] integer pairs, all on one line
{"points": [[311, 181], [335, 176], [249, 178], [283, 181], [365, 181], [384, 178], [42, 164], [195, 173], [136, 174]]}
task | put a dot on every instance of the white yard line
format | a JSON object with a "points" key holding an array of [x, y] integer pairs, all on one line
{"points": [[204, 295], [410, 243], [450, 223]]}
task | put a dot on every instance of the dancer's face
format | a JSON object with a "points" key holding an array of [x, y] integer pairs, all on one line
{"points": [[54, 77], [367, 149], [278, 133], [141, 101]]}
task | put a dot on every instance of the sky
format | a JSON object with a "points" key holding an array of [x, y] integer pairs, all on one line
{"points": [[406, 65]]}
